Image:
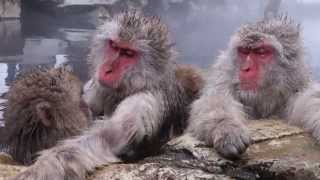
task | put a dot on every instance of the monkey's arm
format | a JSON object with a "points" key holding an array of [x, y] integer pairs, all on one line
{"points": [[218, 120], [216, 117], [94, 96], [135, 117], [304, 110]]}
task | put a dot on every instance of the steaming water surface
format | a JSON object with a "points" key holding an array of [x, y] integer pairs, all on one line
{"points": [[200, 29]]}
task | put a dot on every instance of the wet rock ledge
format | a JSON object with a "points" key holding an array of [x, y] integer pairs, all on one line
{"points": [[279, 152]]}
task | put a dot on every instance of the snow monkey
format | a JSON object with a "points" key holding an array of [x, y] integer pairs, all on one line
{"points": [[262, 74], [44, 106], [135, 86]]}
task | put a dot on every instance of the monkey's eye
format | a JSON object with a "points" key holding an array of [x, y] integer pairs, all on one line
{"points": [[113, 45], [243, 50], [128, 53], [260, 51]]}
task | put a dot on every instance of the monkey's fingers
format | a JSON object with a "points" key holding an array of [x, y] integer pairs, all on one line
{"points": [[234, 143]]}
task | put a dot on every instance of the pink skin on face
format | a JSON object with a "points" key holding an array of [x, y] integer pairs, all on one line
{"points": [[119, 57], [252, 61]]}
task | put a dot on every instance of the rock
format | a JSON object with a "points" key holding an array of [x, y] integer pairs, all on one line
{"points": [[88, 12], [6, 159], [11, 40], [7, 171], [263, 130], [42, 50], [10, 9], [88, 2], [148, 171], [279, 151]]}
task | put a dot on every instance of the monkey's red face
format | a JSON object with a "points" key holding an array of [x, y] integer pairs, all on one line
{"points": [[252, 63], [119, 57]]}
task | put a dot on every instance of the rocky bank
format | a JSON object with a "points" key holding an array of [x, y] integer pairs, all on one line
{"points": [[279, 152]]}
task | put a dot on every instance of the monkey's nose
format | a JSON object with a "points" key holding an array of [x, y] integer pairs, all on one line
{"points": [[245, 68], [108, 69], [248, 69]]}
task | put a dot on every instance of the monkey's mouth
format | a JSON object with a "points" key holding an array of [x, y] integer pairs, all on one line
{"points": [[110, 74], [108, 71], [249, 85]]}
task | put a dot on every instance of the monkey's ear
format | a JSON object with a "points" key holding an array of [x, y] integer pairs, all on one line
{"points": [[43, 112]]}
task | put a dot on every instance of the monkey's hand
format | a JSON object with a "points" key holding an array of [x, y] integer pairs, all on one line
{"points": [[61, 166], [73, 158], [218, 120], [230, 139], [51, 170]]}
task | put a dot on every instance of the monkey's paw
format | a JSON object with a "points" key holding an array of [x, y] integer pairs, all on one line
{"points": [[231, 140]]}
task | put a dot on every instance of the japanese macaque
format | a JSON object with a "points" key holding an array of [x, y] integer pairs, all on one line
{"points": [[135, 86], [262, 74], [44, 106]]}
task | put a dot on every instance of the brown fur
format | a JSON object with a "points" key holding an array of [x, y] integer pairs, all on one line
{"points": [[44, 106], [190, 79]]}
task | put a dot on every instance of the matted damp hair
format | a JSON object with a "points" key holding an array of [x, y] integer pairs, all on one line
{"points": [[150, 29], [284, 29], [38, 82]]}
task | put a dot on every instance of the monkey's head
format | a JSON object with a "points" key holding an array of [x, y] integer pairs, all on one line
{"points": [[44, 106], [268, 55], [42, 95], [131, 50]]}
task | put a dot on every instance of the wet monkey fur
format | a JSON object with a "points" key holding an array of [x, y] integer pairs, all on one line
{"points": [[262, 74]]}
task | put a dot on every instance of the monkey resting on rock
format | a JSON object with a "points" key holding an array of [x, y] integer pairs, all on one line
{"points": [[44, 106], [135, 84], [262, 74]]}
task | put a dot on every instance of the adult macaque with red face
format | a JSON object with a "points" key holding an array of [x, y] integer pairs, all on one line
{"points": [[252, 60], [119, 57], [262, 74], [137, 87]]}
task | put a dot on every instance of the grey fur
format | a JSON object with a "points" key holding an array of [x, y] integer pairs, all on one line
{"points": [[141, 113], [287, 91]]}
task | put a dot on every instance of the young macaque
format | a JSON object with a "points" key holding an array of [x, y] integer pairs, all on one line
{"points": [[44, 106], [262, 74]]}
